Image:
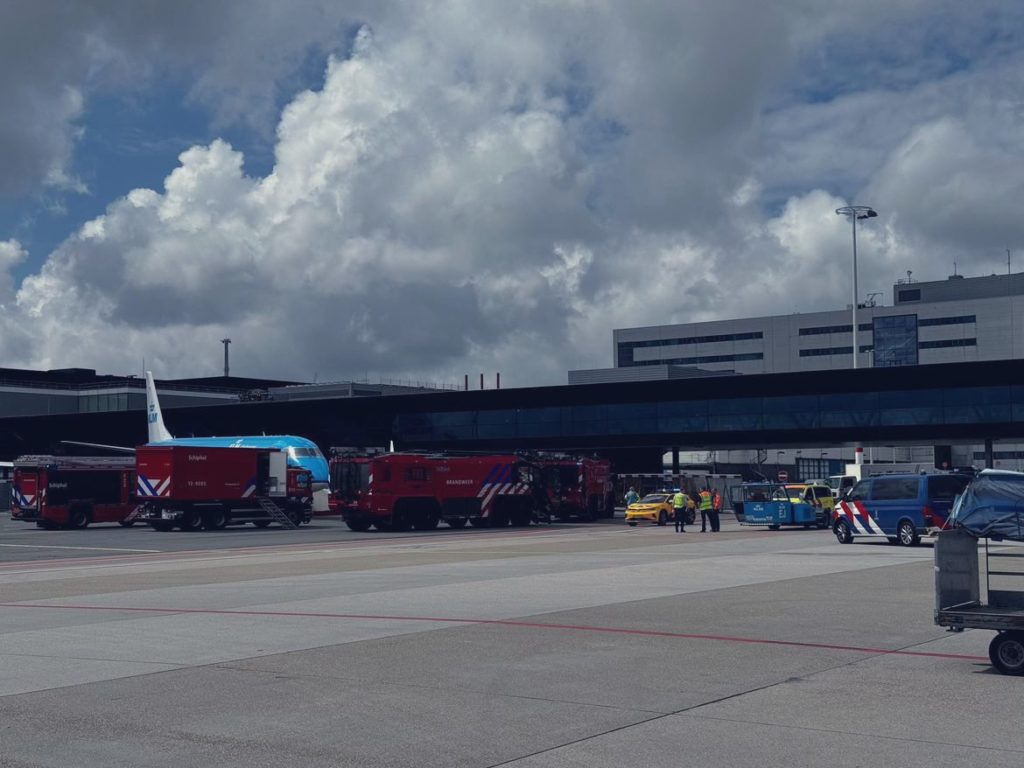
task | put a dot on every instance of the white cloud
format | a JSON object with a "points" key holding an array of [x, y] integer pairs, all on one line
{"points": [[496, 187]]}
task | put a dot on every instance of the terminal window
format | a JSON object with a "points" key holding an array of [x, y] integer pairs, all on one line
{"points": [[895, 338], [909, 294]]}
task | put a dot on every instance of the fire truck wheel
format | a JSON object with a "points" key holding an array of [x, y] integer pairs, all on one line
{"points": [[126, 523], [456, 522], [399, 523], [161, 525], [191, 521], [215, 520], [358, 525], [261, 523], [427, 522], [46, 525], [295, 515], [1007, 652], [78, 517], [478, 522]]}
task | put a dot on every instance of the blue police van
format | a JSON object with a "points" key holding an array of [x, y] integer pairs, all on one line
{"points": [[898, 507]]}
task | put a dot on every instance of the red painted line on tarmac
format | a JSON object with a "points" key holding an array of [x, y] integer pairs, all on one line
{"points": [[509, 623]]}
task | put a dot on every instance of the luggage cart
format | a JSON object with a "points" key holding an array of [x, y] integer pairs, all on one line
{"points": [[958, 599]]}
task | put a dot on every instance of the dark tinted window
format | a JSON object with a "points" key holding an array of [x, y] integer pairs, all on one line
{"points": [[860, 491], [890, 488], [416, 473], [946, 487], [909, 294]]}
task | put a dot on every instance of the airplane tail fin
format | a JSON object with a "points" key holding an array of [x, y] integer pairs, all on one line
{"points": [[157, 430]]}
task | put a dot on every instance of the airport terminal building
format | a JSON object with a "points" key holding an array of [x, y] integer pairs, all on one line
{"points": [[948, 321]]}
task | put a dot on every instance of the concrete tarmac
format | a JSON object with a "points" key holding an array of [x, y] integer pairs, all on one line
{"points": [[565, 646]]}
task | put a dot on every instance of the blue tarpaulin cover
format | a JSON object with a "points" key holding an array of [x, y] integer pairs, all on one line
{"points": [[992, 506]]}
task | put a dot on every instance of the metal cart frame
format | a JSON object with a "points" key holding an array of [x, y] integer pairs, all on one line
{"points": [[958, 603]]}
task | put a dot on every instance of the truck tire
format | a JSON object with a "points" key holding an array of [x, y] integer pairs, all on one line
{"points": [[1007, 653], [358, 525], [261, 523], [78, 517], [478, 522], [907, 534], [191, 521], [215, 520], [161, 525], [126, 523], [456, 522]]}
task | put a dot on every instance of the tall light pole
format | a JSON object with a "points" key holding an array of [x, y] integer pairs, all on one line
{"points": [[225, 342], [855, 212]]}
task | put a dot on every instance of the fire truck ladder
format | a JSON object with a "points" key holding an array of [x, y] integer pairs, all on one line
{"points": [[275, 512]]}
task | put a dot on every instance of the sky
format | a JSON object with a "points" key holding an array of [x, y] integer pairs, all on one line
{"points": [[397, 190]]}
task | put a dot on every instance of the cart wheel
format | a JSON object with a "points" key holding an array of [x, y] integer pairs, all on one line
{"points": [[773, 527], [1007, 652], [907, 534], [842, 532]]}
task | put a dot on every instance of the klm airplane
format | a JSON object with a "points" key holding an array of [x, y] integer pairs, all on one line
{"points": [[300, 451]]}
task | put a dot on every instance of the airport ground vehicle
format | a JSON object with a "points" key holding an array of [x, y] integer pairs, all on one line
{"points": [[398, 491], [819, 496], [654, 508], [578, 488], [990, 508], [73, 491], [900, 507], [209, 487], [773, 505], [958, 598]]}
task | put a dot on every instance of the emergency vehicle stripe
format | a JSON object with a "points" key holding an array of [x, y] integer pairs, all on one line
{"points": [[868, 520], [853, 514], [248, 491], [483, 489], [146, 487], [485, 506], [490, 475], [161, 489]]}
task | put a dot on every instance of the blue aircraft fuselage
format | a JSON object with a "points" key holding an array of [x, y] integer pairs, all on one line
{"points": [[300, 451]]}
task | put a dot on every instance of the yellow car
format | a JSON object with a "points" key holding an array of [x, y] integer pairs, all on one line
{"points": [[653, 508], [818, 496]]}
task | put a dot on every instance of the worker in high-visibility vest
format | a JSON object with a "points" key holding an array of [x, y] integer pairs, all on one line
{"points": [[706, 509], [679, 510]]}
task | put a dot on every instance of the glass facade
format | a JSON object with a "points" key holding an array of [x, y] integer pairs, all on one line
{"points": [[112, 401], [626, 357], [895, 341], [797, 413]]}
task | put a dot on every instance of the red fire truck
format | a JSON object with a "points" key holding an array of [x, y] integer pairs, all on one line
{"points": [[73, 491], [398, 491], [191, 488], [578, 488]]}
